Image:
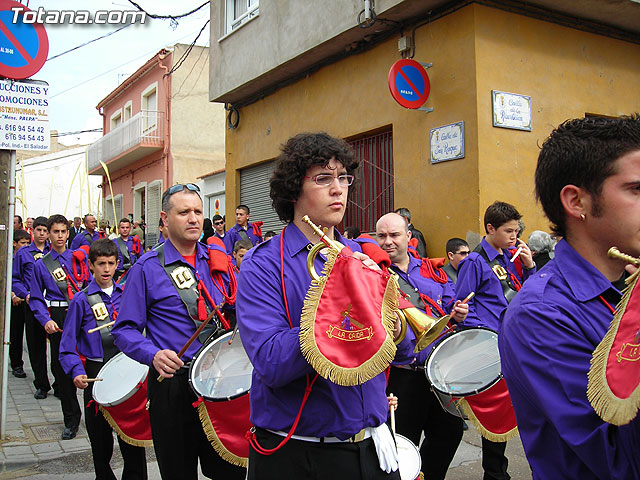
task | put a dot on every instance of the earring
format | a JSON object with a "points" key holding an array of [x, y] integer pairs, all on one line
{"points": [[583, 217]]}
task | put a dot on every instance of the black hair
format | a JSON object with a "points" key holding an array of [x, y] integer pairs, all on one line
{"points": [[300, 153], [84, 219], [216, 218], [40, 222], [269, 234], [499, 213], [352, 232], [582, 152], [102, 248], [56, 218], [453, 244], [125, 220], [20, 234], [19, 218], [243, 207]]}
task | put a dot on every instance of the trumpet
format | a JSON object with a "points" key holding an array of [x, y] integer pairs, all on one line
{"points": [[615, 253], [425, 327]]}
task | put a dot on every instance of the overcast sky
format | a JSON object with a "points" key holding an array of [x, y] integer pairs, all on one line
{"points": [[80, 79]]}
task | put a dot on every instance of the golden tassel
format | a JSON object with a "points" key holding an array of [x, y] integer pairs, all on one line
{"points": [[213, 438], [121, 434]]}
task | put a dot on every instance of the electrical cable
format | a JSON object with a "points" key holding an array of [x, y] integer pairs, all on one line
{"points": [[186, 53], [75, 133], [87, 43], [172, 17]]}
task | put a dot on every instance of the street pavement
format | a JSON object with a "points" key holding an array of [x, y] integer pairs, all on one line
{"points": [[33, 449]]}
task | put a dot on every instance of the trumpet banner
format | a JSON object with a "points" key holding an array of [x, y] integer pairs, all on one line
{"points": [[347, 320], [614, 376]]}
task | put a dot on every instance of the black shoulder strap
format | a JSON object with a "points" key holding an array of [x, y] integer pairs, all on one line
{"points": [[186, 285], [89, 238], [126, 258], [501, 274], [243, 234], [101, 314], [57, 273], [410, 292], [36, 254]]}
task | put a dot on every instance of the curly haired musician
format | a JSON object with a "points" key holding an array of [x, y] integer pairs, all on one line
{"points": [[333, 437], [588, 183], [155, 299]]}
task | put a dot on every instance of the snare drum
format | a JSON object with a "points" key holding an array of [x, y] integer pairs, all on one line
{"points": [[409, 462], [220, 374], [122, 398], [464, 363]]}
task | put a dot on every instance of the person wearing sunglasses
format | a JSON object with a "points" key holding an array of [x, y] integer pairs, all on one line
{"points": [[170, 291], [335, 429], [457, 250], [243, 229]]}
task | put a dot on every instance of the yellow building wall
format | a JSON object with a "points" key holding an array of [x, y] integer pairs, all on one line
{"points": [[566, 72], [473, 50]]}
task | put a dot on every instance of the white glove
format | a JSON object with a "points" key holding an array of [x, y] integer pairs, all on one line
{"points": [[385, 448]]}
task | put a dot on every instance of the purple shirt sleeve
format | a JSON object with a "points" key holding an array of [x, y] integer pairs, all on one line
{"points": [[69, 359], [20, 263], [36, 291]]}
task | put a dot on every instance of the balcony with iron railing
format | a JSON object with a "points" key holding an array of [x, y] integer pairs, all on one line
{"points": [[134, 139]]}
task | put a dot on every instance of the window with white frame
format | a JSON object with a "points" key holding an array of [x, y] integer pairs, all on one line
{"points": [[154, 206], [127, 111], [116, 119], [238, 12], [149, 103], [140, 201]]}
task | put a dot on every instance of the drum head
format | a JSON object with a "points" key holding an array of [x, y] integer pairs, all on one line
{"points": [[120, 379], [465, 362], [220, 371], [409, 461]]}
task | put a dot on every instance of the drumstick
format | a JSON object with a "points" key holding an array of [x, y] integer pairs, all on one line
{"points": [[515, 255], [233, 335], [92, 379], [194, 336], [101, 327], [392, 416], [469, 297]]}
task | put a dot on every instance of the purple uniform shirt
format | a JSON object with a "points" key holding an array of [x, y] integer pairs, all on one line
{"points": [[546, 343], [80, 318], [23, 264], [80, 239], [44, 287], [233, 236], [132, 256], [442, 293], [279, 376], [475, 275], [151, 302]]}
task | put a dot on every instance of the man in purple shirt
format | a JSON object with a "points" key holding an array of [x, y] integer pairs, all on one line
{"points": [[23, 265], [52, 285], [242, 230], [88, 235], [152, 301], [129, 247], [588, 182], [97, 348], [420, 411], [332, 431], [490, 272]]}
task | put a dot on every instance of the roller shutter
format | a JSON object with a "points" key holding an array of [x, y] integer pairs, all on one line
{"points": [[254, 192]]}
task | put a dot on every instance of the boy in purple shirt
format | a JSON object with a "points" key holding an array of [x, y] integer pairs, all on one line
{"points": [[333, 433], [588, 183], [97, 348], [490, 272], [243, 230]]}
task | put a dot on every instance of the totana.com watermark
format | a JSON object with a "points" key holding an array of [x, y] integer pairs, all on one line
{"points": [[82, 17]]}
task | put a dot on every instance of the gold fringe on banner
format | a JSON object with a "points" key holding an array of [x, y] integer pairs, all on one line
{"points": [[213, 438], [494, 437], [611, 408], [121, 434], [342, 375]]}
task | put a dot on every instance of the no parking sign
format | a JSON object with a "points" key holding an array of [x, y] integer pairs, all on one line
{"points": [[409, 83]]}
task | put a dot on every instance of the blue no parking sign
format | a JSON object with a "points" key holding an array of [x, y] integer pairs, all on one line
{"points": [[23, 46], [409, 83]]}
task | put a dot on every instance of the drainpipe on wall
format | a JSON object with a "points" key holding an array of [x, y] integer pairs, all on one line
{"points": [[166, 78], [103, 185]]}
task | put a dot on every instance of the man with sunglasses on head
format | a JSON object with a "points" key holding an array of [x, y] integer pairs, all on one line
{"points": [[457, 250], [338, 432], [170, 291], [243, 229]]}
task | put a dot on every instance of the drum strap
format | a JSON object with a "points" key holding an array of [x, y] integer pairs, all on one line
{"points": [[124, 251], [186, 284], [243, 234], [417, 299], [60, 276], [101, 314], [509, 289]]}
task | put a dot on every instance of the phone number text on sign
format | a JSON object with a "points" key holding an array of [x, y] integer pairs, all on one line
{"points": [[24, 115]]}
